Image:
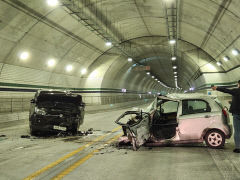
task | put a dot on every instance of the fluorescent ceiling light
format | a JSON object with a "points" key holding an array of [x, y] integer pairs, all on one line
{"points": [[84, 71], [172, 41], [52, 2], [174, 67], [24, 55], [51, 62], [152, 76], [156, 79], [130, 59], [175, 72], [148, 73], [174, 58], [226, 58], [219, 63], [175, 76], [235, 52], [69, 68], [108, 43]]}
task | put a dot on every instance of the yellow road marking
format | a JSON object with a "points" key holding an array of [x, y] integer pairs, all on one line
{"points": [[53, 164], [81, 161]]}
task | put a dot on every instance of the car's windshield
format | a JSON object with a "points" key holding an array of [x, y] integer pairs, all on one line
{"points": [[151, 107]]}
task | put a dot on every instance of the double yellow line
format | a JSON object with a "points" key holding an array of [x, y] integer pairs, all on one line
{"points": [[53, 164]]}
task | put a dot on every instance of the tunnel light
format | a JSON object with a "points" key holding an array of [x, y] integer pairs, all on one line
{"points": [[175, 72], [24, 55], [152, 76], [130, 59], [219, 63], [226, 58], [83, 71], [172, 41], [173, 58], [108, 43], [156, 79], [174, 67], [69, 68], [175, 76], [52, 2], [148, 73], [51, 62], [235, 52]]}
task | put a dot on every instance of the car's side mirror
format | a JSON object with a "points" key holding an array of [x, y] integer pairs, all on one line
{"points": [[32, 101]]}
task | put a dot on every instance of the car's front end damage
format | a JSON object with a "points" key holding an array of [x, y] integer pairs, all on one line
{"points": [[135, 128], [56, 112]]}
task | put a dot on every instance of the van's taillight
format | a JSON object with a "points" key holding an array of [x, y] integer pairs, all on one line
{"points": [[224, 112]]}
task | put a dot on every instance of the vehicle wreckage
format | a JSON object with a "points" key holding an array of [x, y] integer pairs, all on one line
{"points": [[177, 119]]}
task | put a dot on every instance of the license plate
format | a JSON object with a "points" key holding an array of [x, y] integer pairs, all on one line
{"points": [[60, 128]]}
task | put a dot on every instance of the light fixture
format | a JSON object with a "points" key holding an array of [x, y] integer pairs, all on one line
{"points": [[226, 58], [219, 63], [51, 62], [175, 76], [174, 67], [172, 41], [24, 55], [175, 72], [108, 43], [173, 58], [52, 2], [69, 68], [130, 59], [152, 76], [148, 73], [235, 52], [156, 79], [83, 71]]}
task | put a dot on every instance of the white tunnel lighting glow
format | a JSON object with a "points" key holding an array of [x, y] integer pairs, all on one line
{"points": [[108, 43], [235, 52], [24, 55], [172, 41], [174, 67], [156, 79], [130, 59], [148, 73], [69, 68], [51, 62], [152, 76], [175, 72], [226, 58], [219, 63], [174, 58], [83, 71], [52, 2], [175, 76]]}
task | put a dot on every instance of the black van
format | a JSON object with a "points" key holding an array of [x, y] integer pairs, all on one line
{"points": [[56, 111]]}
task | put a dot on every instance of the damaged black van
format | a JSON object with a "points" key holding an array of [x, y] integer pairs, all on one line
{"points": [[56, 111]]}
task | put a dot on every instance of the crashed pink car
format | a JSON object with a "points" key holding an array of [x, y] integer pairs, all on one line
{"points": [[177, 119]]}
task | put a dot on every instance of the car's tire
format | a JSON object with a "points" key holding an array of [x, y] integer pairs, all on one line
{"points": [[33, 131], [215, 139], [74, 128]]}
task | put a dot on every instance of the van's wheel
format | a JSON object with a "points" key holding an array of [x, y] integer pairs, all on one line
{"points": [[215, 139]]}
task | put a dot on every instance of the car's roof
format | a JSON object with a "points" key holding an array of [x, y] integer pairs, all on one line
{"points": [[178, 96]]}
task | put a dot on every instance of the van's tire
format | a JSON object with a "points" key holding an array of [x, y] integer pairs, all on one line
{"points": [[215, 139]]}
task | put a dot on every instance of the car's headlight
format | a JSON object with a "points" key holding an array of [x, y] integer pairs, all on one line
{"points": [[40, 111]]}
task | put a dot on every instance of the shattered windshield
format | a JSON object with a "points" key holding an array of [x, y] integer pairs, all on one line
{"points": [[151, 107]]}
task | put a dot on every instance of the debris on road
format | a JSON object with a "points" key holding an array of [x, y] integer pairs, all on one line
{"points": [[25, 136]]}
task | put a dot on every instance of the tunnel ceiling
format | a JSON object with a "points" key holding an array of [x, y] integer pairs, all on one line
{"points": [[75, 32]]}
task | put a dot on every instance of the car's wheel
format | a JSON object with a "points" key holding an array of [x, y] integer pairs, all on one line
{"points": [[33, 131], [74, 128], [215, 139]]}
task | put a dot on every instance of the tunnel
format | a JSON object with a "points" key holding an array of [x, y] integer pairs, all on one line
{"points": [[104, 58]]}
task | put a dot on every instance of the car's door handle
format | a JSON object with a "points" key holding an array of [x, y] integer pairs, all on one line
{"points": [[207, 116]]}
